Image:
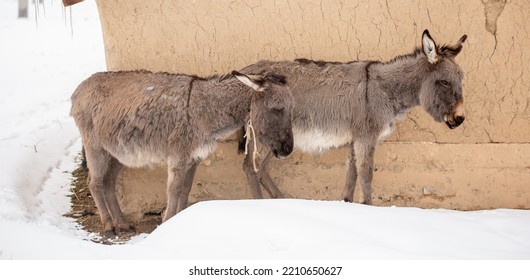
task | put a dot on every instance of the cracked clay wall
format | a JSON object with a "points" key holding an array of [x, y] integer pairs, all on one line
{"points": [[482, 164]]}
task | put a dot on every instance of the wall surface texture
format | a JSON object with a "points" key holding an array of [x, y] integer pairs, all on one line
{"points": [[483, 164]]}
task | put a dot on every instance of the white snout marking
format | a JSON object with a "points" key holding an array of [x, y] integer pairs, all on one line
{"points": [[460, 110]]}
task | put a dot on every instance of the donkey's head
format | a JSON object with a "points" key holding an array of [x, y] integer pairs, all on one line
{"points": [[271, 111], [441, 90]]}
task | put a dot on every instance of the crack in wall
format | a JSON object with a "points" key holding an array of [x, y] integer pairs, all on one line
{"points": [[492, 10], [390, 14]]}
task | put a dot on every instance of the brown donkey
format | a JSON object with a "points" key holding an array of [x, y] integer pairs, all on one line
{"points": [[139, 118], [356, 104]]}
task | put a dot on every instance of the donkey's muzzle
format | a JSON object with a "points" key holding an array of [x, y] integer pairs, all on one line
{"points": [[456, 118], [455, 122]]}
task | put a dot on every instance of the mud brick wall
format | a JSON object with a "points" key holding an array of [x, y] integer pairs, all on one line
{"points": [[483, 164]]}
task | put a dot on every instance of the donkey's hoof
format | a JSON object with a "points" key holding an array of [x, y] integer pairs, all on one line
{"points": [[126, 229], [366, 202], [278, 196], [109, 233]]}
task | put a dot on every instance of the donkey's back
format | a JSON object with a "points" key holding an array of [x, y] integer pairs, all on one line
{"points": [[329, 99], [116, 111]]}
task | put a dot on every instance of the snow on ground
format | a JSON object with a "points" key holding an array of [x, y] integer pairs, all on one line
{"points": [[41, 63]]}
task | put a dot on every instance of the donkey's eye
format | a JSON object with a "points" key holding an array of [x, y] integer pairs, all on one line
{"points": [[444, 83]]}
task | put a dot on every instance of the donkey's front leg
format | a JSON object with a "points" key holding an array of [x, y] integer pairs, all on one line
{"points": [[351, 177], [266, 179], [176, 180], [365, 150], [252, 176]]}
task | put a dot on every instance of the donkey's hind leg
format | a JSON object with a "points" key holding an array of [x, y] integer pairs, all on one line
{"points": [[98, 161], [176, 182], [183, 195], [366, 150], [351, 177], [121, 225]]}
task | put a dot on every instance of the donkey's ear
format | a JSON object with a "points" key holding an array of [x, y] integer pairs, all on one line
{"points": [[429, 47], [254, 81], [455, 49]]}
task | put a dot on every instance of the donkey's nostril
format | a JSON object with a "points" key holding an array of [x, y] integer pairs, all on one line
{"points": [[459, 119], [455, 122]]}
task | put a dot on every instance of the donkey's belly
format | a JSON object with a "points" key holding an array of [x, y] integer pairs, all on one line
{"points": [[139, 158], [204, 151], [315, 141]]}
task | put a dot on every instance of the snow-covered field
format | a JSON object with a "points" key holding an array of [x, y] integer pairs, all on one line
{"points": [[41, 63]]}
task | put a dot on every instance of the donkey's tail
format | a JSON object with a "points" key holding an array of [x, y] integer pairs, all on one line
{"points": [[83, 159]]}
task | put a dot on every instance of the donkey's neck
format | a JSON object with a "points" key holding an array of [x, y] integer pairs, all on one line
{"points": [[228, 104], [401, 80]]}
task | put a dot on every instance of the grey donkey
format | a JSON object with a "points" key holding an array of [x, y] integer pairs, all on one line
{"points": [[356, 104], [140, 118]]}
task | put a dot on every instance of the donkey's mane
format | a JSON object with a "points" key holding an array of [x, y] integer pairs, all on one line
{"points": [[270, 77], [322, 63], [216, 77], [274, 78], [414, 54]]}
